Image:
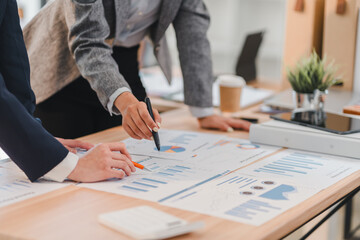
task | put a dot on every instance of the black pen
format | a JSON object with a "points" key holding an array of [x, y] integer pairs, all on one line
{"points": [[252, 120], [155, 134]]}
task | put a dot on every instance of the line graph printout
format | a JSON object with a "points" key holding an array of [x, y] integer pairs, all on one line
{"points": [[178, 145], [311, 169], [167, 178], [15, 186], [242, 198]]}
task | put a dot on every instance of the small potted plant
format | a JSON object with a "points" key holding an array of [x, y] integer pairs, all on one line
{"points": [[310, 80]]}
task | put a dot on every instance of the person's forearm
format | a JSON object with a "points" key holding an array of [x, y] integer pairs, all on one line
{"points": [[63, 169], [23, 138], [123, 100], [200, 112], [88, 35], [191, 25], [113, 109]]}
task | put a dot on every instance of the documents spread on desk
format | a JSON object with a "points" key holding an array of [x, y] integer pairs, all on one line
{"points": [[208, 179], [207, 157], [212, 174], [265, 189], [15, 186]]}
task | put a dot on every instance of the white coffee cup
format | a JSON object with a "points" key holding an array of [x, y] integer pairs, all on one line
{"points": [[230, 92]]}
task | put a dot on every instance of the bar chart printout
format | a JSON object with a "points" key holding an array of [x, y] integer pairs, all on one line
{"points": [[292, 164], [250, 209], [242, 198], [165, 176], [303, 167], [15, 186], [208, 184], [168, 177], [263, 190], [172, 177]]}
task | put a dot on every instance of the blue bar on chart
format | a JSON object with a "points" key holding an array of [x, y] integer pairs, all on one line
{"points": [[293, 164], [145, 160], [15, 186], [133, 189], [250, 209], [241, 181], [174, 172], [145, 184], [154, 181]]}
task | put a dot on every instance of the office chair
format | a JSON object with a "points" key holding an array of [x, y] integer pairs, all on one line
{"points": [[246, 66]]}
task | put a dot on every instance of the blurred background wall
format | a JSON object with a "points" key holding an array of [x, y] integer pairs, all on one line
{"points": [[231, 21]]}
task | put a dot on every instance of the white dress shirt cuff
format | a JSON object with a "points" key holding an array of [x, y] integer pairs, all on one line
{"points": [[200, 112], [63, 169], [110, 106]]}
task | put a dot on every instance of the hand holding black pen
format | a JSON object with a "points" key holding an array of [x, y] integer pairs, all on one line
{"points": [[155, 134]]}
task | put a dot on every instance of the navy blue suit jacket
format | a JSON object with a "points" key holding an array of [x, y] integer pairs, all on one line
{"points": [[22, 137]]}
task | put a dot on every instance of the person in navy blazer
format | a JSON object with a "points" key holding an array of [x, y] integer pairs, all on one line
{"points": [[22, 136]]}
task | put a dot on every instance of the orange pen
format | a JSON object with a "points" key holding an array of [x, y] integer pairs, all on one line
{"points": [[138, 165]]}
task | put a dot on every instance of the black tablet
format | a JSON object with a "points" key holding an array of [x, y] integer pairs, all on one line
{"points": [[329, 122]]}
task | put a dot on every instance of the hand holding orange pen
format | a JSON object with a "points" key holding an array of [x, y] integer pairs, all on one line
{"points": [[138, 165]]}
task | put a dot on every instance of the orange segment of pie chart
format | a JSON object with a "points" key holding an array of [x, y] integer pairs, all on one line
{"points": [[172, 149]]}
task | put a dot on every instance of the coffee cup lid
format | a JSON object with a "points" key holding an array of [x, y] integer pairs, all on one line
{"points": [[231, 81]]}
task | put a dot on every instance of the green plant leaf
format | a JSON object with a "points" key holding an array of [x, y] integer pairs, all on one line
{"points": [[311, 74]]}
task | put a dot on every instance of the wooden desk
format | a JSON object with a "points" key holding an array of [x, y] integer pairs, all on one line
{"points": [[71, 213]]}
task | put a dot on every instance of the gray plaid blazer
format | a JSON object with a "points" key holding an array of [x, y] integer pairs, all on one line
{"points": [[69, 38]]}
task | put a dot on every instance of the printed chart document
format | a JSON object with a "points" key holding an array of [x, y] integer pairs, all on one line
{"points": [[263, 190], [232, 153], [173, 176], [15, 186], [311, 169], [167, 178], [178, 145], [243, 198]]}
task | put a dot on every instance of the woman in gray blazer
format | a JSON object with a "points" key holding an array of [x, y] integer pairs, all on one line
{"points": [[83, 51]]}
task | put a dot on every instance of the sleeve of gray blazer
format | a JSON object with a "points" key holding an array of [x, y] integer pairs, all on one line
{"points": [[87, 39], [191, 25]]}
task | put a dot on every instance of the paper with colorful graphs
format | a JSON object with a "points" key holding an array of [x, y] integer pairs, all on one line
{"points": [[230, 178]]}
